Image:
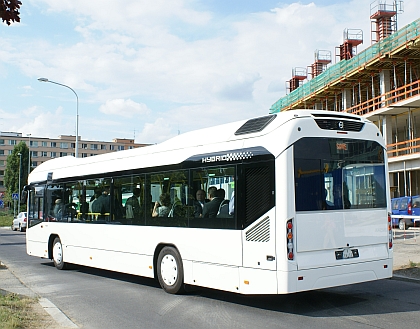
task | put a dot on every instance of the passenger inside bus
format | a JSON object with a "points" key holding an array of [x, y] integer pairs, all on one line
{"points": [[176, 204], [58, 209], [162, 209], [83, 207], [102, 204], [199, 203], [224, 204], [211, 208], [132, 206]]}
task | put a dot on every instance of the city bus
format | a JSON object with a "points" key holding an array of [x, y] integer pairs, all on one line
{"points": [[306, 195]]}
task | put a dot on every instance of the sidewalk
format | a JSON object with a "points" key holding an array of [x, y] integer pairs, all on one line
{"points": [[406, 247], [9, 283]]}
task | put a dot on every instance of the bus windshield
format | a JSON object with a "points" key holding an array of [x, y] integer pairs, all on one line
{"points": [[335, 174]]}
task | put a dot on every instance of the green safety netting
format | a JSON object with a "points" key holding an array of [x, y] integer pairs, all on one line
{"points": [[340, 69]]}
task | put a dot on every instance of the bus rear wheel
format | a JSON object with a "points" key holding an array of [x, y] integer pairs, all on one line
{"points": [[170, 271], [57, 253]]}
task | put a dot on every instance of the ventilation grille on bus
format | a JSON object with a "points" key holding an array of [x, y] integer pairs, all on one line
{"points": [[343, 125], [258, 193], [255, 125], [260, 232], [329, 114]]}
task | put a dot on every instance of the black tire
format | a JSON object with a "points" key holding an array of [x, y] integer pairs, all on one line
{"points": [[170, 271], [13, 227], [57, 254], [401, 224], [21, 229]]}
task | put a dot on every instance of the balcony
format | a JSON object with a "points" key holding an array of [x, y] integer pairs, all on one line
{"points": [[384, 101], [408, 147]]}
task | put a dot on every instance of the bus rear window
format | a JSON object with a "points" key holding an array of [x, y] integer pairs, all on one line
{"points": [[335, 174]]}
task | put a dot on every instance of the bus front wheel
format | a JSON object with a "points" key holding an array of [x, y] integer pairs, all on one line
{"points": [[170, 271], [57, 253]]}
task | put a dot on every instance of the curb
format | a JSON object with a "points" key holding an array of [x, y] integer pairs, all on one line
{"points": [[58, 316], [405, 278], [56, 313]]}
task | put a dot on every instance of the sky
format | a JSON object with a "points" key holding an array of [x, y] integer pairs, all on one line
{"points": [[150, 70]]}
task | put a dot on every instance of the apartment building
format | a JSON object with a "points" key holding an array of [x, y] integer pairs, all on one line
{"points": [[42, 149], [381, 83]]}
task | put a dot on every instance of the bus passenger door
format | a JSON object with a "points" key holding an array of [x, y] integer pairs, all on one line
{"points": [[256, 212]]}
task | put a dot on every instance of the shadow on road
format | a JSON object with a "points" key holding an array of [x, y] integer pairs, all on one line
{"points": [[358, 299]]}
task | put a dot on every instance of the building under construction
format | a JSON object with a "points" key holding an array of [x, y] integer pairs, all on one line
{"points": [[381, 83]]}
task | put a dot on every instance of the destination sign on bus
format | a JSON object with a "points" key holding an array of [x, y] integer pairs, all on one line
{"points": [[341, 146]]}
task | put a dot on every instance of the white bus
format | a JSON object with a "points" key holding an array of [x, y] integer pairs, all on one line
{"points": [[306, 207]]}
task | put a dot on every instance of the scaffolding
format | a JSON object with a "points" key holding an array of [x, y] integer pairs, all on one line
{"points": [[298, 74], [384, 18], [352, 38], [322, 59], [405, 38]]}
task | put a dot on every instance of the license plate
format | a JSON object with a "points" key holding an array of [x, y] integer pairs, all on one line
{"points": [[346, 253]]}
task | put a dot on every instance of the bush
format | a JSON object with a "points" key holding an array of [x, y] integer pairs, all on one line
{"points": [[6, 218]]}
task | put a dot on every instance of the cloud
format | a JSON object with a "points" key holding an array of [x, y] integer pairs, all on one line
{"points": [[193, 68], [155, 132], [126, 108], [239, 89], [46, 123]]}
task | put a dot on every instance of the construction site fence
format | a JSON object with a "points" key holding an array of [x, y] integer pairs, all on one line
{"points": [[339, 70], [408, 234]]}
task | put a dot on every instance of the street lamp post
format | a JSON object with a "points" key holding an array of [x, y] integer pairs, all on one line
{"points": [[29, 153], [77, 111], [20, 170]]}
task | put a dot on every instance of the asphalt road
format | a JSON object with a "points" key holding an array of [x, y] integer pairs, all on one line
{"points": [[102, 299]]}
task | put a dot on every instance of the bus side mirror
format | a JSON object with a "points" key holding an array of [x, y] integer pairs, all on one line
{"points": [[24, 194], [23, 197]]}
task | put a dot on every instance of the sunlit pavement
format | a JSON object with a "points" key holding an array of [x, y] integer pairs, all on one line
{"points": [[406, 247]]}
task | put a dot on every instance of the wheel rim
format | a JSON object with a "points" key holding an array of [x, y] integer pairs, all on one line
{"points": [[169, 270], [401, 225], [57, 253]]}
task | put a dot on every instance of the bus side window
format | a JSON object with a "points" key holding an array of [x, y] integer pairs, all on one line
{"points": [[129, 200], [214, 210], [169, 193]]}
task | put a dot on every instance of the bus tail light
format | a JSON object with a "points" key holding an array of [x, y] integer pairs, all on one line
{"points": [[289, 239], [389, 231]]}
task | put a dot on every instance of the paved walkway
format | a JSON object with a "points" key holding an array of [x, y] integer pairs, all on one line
{"points": [[406, 247], [9, 283]]}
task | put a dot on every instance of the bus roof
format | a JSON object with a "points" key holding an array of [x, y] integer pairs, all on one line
{"points": [[174, 150]]}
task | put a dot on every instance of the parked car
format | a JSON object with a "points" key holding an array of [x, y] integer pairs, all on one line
{"points": [[405, 206], [415, 210], [19, 223]]}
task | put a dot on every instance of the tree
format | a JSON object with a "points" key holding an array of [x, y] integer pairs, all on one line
{"points": [[14, 164], [9, 11]]}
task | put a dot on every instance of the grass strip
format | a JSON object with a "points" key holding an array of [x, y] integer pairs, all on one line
{"points": [[15, 312], [6, 219]]}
